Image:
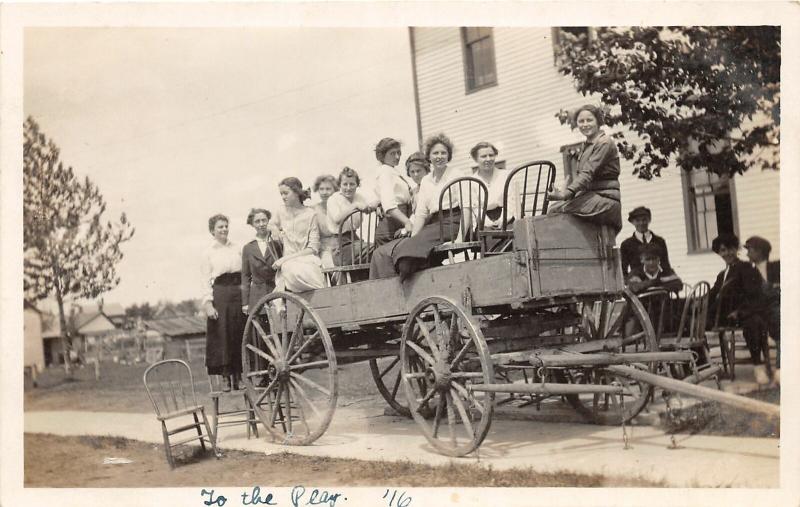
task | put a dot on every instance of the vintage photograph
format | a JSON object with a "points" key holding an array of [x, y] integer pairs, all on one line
{"points": [[399, 257]]}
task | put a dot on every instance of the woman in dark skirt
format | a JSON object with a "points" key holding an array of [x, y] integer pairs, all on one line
{"points": [[406, 256], [222, 304], [594, 192]]}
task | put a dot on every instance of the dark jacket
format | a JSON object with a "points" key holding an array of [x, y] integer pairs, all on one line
{"points": [[629, 251], [258, 277], [743, 292], [666, 279]]}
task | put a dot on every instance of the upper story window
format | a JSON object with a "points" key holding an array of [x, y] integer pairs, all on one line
{"points": [[479, 66], [709, 207]]}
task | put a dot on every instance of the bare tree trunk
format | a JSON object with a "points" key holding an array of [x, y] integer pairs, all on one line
{"points": [[65, 338]]}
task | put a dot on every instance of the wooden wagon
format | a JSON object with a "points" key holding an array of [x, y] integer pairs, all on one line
{"points": [[549, 316]]}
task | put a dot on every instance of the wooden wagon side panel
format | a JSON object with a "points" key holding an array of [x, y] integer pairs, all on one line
{"points": [[569, 256], [497, 280]]}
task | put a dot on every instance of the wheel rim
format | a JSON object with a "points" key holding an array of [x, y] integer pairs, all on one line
{"points": [[387, 374], [624, 319], [443, 354], [289, 369]]}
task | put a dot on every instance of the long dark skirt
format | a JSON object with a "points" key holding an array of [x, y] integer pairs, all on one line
{"points": [[386, 228], [409, 255], [600, 206], [354, 250], [224, 334]]}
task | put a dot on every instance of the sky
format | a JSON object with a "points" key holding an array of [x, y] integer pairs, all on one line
{"points": [[176, 125]]}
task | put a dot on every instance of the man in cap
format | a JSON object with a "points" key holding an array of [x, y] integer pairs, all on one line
{"points": [[758, 250], [651, 275], [640, 217]]}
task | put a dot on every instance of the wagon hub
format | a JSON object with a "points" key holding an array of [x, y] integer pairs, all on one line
{"points": [[442, 378], [281, 368]]}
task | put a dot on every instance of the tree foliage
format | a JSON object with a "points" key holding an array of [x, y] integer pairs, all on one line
{"points": [[69, 250], [705, 97]]}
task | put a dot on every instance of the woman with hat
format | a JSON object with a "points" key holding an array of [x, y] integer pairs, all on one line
{"points": [[593, 193], [394, 192], [629, 250]]}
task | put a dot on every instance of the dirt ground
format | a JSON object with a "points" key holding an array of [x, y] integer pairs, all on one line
{"points": [[48, 456]]}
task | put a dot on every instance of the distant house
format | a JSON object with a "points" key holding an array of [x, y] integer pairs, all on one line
{"points": [[181, 337], [501, 85], [115, 313], [88, 329], [33, 351]]}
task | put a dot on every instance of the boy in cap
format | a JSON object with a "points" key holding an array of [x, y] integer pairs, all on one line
{"points": [[651, 275], [640, 217], [758, 250]]}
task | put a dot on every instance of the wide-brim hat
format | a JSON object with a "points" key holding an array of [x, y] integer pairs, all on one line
{"points": [[640, 211]]}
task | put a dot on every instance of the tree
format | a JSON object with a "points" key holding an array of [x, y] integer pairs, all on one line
{"points": [[709, 97], [68, 251]]}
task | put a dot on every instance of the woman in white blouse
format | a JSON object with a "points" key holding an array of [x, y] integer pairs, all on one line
{"points": [[354, 250], [394, 192], [409, 255], [485, 155], [300, 268], [325, 186], [222, 303]]}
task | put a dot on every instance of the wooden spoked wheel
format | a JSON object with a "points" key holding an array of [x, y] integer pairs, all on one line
{"points": [[442, 355], [623, 325], [289, 369], [386, 372]]}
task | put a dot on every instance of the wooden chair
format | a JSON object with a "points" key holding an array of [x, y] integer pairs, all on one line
{"points": [[232, 416], [473, 197], [728, 334], [537, 180], [364, 226], [170, 387]]}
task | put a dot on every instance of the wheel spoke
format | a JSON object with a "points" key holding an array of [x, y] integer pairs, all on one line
{"points": [[463, 413], [300, 409], [266, 339], [460, 354], [302, 347], [311, 383], [451, 421], [437, 417], [396, 385], [467, 396], [302, 393], [444, 349], [273, 327], [617, 322], [256, 373], [425, 399], [266, 391], [467, 374], [261, 353], [288, 408], [277, 404], [394, 362], [298, 331], [426, 333], [424, 355]]}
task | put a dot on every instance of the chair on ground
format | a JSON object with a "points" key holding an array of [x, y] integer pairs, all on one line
{"points": [[536, 180], [170, 387], [230, 416], [356, 244], [462, 236]]}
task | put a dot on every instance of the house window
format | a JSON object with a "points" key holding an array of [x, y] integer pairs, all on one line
{"points": [[709, 206], [479, 66]]}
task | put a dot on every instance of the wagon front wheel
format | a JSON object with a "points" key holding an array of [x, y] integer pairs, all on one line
{"points": [[443, 355], [289, 368]]}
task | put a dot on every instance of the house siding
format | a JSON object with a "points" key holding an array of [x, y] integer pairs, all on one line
{"points": [[518, 116]]}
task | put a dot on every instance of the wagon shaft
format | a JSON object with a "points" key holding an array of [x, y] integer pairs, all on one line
{"points": [[608, 358], [546, 388], [696, 391]]}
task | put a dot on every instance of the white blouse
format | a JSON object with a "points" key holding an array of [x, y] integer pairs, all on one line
{"points": [[339, 207], [495, 200], [219, 259], [298, 229], [393, 187], [429, 190]]}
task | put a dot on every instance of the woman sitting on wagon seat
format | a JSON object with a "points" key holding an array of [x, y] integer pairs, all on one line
{"points": [[594, 192], [394, 192], [341, 204], [485, 154], [409, 255]]}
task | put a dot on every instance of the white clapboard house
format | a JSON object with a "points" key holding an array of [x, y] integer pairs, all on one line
{"points": [[501, 85]]}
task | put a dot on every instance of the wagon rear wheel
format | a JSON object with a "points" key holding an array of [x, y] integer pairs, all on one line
{"points": [[386, 372], [289, 369], [626, 327], [442, 355]]}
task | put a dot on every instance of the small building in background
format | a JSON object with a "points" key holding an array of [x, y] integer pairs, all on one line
{"points": [[33, 351], [182, 337]]}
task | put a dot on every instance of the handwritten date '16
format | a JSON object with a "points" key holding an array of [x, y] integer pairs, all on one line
{"points": [[397, 498]]}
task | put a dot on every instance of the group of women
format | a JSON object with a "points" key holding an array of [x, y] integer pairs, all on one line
{"points": [[291, 249]]}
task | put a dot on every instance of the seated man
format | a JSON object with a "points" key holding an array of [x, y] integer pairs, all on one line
{"points": [[629, 250], [737, 294], [651, 274], [758, 250]]}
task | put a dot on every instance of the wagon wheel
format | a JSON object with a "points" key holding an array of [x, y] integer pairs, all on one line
{"points": [[442, 355], [386, 375], [626, 322], [289, 369]]}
